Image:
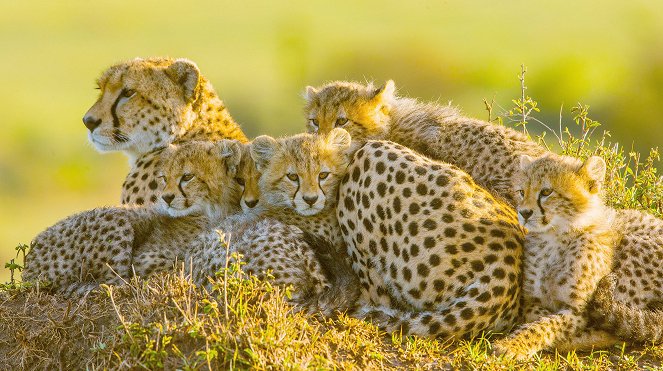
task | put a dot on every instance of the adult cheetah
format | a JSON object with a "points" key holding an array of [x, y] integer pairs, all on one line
{"points": [[146, 104], [486, 151], [436, 254]]}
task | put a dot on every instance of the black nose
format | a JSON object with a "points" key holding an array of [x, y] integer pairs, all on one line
{"points": [[310, 199], [168, 198], [251, 203], [91, 123], [526, 213]]}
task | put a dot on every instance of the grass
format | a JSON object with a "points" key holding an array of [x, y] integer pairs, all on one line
{"points": [[166, 322]]}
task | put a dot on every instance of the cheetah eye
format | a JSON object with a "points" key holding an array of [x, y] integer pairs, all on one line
{"points": [[187, 177], [341, 121], [546, 192], [240, 181], [293, 177], [127, 93], [313, 122], [521, 192], [323, 175]]}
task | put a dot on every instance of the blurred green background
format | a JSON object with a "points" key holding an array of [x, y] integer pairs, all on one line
{"points": [[261, 54]]}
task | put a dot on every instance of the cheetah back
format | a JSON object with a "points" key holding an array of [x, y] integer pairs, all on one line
{"points": [[424, 238]]}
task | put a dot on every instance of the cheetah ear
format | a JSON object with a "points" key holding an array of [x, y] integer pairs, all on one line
{"points": [[168, 152], [185, 74], [262, 151], [593, 169], [525, 161], [310, 93], [339, 139], [386, 93], [231, 152]]}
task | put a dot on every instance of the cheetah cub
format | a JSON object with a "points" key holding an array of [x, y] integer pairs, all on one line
{"points": [[299, 185], [198, 211], [574, 241], [488, 152], [291, 256], [247, 177], [109, 245], [146, 104]]}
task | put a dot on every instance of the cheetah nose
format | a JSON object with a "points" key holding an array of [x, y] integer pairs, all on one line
{"points": [[168, 199], [251, 204], [310, 200], [91, 123], [526, 213]]}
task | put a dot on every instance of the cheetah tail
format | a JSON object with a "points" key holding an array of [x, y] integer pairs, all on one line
{"points": [[343, 292], [627, 322]]}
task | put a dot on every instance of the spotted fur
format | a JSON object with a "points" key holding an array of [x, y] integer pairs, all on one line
{"points": [[198, 191], [300, 179], [488, 152], [247, 177], [299, 186], [146, 104], [109, 245], [574, 241], [267, 248], [436, 254]]}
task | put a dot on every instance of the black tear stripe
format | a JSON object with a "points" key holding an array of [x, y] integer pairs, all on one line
{"points": [[320, 186], [297, 190], [116, 121], [538, 203], [179, 186]]}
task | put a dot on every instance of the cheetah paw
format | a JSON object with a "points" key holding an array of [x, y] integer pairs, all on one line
{"points": [[509, 350]]}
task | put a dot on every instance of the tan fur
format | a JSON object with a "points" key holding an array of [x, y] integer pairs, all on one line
{"points": [[574, 241], [405, 262], [488, 152], [316, 165], [146, 104], [200, 177], [268, 248], [196, 176], [247, 177], [436, 254], [74, 253], [304, 157]]}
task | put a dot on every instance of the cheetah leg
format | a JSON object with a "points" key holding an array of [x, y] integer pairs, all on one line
{"points": [[588, 339], [541, 334]]}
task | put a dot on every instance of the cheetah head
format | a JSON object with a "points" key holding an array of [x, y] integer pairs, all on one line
{"points": [[198, 178], [559, 192], [143, 104], [362, 110], [247, 177], [302, 172]]}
